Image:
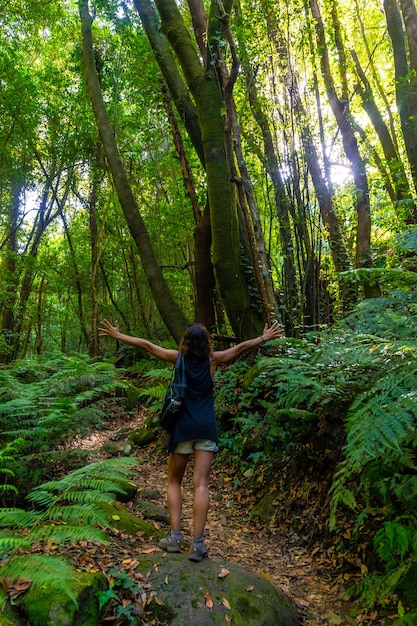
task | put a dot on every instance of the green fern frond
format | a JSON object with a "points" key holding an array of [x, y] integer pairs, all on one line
{"points": [[76, 514], [384, 418], [374, 586], [18, 518], [394, 541], [45, 499], [10, 541], [88, 496], [41, 497], [42, 570], [120, 467], [64, 532]]}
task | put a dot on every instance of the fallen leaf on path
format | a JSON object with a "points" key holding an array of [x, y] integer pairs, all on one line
{"points": [[150, 550], [224, 573], [209, 601], [225, 603], [249, 588]]}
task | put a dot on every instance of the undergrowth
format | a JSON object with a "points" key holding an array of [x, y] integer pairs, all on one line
{"points": [[340, 408], [44, 402]]}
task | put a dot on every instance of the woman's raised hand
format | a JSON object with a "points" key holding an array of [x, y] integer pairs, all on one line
{"points": [[273, 332], [109, 330]]}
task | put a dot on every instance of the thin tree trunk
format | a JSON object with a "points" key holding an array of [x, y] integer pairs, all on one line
{"points": [[248, 206], [397, 184], [39, 338], [204, 279], [167, 306], [95, 250], [78, 283], [281, 203], [404, 88], [10, 277], [115, 304], [350, 144]]}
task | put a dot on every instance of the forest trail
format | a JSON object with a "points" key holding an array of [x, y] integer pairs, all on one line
{"points": [[308, 577]]}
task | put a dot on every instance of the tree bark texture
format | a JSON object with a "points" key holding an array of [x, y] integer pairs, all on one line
{"points": [[350, 145], [404, 81], [205, 86], [167, 306], [396, 184]]}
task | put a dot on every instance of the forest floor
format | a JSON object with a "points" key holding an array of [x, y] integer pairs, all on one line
{"points": [[312, 579]]}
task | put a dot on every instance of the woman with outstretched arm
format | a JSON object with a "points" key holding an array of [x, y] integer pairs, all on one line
{"points": [[195, 431]]}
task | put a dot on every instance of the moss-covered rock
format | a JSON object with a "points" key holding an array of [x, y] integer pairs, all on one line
{"points": [[152, 511], [132, 396], [199, 594], [50, 607], [129, 488], [149, 493], [7, 616], [110, 448], [266, 508], [142, 437], [118, 517]]}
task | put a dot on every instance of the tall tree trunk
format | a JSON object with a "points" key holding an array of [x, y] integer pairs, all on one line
{"points": [[39, 338], [167, 306], [350, 145], [204, 279], [95, 249], [205, 85], [398, 180], [404, 82], [173, 78], [78, 282], [10, 277], [247, 203], [323, 190], [290, 279]]}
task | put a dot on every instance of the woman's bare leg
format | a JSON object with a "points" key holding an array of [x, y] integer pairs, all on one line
{"points": [[202, 465], [176, 468]]}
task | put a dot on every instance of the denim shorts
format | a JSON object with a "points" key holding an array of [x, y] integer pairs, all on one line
{"points": [[186, 447]]}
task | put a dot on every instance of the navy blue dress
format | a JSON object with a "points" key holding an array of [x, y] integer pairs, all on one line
{"points": [[197, 420]]}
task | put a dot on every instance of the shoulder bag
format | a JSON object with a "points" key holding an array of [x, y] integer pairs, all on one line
{"points": [[174, 397]]}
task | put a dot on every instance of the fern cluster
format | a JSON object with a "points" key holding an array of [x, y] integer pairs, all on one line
{"points": [[46, 401], [349, 391], [65, 510]]}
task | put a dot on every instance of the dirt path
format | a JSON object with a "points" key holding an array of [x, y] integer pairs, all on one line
{"points": [[306, 576]]}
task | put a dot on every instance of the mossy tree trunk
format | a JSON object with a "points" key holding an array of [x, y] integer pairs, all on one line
{"points": [[204, 82], [340, 109], [167, 306], [405, 71]]}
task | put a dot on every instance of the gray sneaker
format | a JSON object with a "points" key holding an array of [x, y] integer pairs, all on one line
{"points": [[170, 543], [198, 552]]}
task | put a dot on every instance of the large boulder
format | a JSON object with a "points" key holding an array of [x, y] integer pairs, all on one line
{"points": [[214, 592], [52, 607]]}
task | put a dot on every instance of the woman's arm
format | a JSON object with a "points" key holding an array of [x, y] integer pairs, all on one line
{"points": [[112, 330], [273, 332]]}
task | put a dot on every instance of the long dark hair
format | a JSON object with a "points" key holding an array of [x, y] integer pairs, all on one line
{"points": [[196, 342]]}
